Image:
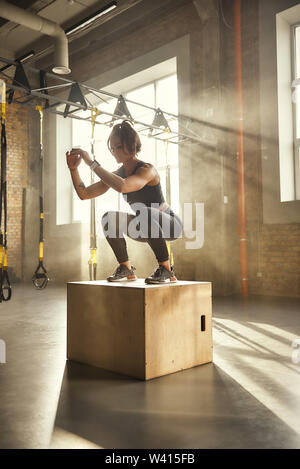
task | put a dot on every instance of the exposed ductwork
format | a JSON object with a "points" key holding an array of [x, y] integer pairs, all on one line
{"points": [[37, 23]]}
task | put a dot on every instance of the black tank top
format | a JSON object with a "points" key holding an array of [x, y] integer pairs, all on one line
{"points": [[147, 195]]}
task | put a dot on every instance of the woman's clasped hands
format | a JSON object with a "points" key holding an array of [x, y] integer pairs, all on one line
{"points": [[75, 156]]}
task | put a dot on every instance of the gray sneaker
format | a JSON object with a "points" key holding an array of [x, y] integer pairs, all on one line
{"points": [[162, 275], [123, 273]]}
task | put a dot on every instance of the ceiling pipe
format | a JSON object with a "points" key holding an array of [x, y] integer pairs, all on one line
{"points": [[44, 26]]}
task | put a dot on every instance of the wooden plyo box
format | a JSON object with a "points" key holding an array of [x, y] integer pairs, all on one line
{"points": [[140, 330]]}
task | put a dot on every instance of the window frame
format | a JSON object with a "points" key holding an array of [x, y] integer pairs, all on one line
{"points": [[296, 109], [165, 167]]}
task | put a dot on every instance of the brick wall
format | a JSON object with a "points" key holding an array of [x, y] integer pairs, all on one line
{"points": [[278, 261], [17, 156]]}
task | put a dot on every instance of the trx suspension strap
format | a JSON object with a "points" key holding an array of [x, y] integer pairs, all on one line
{"points": [[5, 288], [40, 278], [168, 189], [93, 236], [161, 121]]}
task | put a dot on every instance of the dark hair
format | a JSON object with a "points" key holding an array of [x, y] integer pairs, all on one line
{"points": [[128, 136]]}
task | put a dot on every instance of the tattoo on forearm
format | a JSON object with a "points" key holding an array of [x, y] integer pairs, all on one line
{"points": [[82, 186]]}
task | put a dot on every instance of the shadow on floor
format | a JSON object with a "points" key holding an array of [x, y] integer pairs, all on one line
{"points": [[202, 407]]}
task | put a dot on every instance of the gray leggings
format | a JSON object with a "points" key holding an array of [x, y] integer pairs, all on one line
{"points": [[149, 225]]}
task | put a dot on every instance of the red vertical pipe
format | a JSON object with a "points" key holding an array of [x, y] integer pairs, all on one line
{"points": [[240, 150]]}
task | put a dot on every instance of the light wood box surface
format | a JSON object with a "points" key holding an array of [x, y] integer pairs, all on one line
{"points": [[139, 330]]}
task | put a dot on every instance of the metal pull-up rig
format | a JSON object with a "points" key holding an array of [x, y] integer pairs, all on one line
{"points": [[51, 92]]}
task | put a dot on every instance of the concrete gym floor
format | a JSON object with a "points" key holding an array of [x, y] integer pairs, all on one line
{"points": [[248, 398]]}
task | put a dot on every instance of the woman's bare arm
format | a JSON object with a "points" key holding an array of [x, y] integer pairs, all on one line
{"points": [[90, 192], [84, 193], [132, 183]]}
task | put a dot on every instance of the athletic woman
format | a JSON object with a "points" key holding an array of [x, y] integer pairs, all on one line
{"points": [[154, 221]]}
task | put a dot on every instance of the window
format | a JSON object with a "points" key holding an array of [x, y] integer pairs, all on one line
{"points": [[81, 136], [288, 67], [296, 103], [161, 93]]}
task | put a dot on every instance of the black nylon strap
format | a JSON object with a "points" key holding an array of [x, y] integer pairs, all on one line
{"points": [[5, 287], [41, 221], [40, 277], [3, 156]]}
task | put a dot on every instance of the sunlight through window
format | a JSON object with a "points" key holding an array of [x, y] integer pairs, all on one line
{"points": [[163, 94]]}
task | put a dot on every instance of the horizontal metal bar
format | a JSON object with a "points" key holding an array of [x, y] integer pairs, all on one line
{"points": [[106, 93], [78, 106], [88, 119], [44, 96], [52, 87]]}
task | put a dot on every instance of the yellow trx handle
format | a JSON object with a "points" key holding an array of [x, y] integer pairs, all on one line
{"points": [[170, 253], [94, 114], [93, 256], [5, 259], [3, 99], [40, 109], [1, 254], [41, 250], [93, 264]]}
